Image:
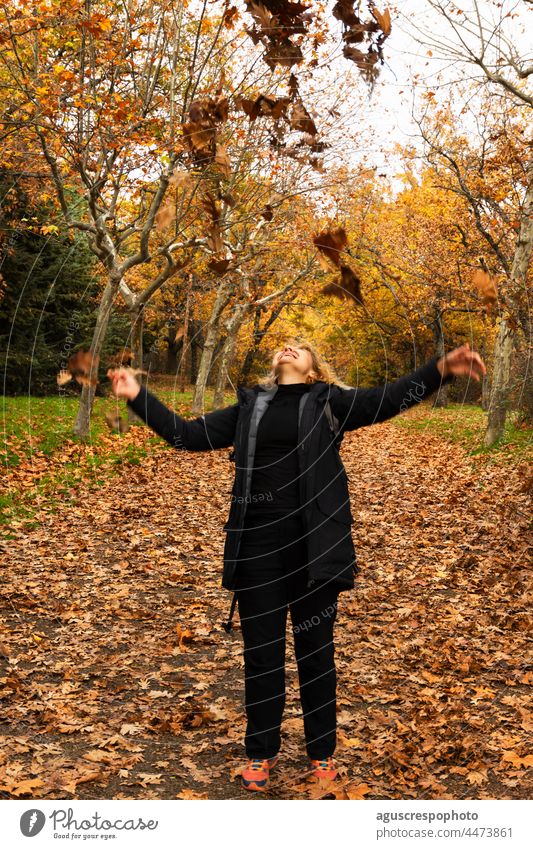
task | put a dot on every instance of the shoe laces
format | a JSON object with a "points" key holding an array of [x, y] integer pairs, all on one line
{"points": [[326, 763], [257, 764]]}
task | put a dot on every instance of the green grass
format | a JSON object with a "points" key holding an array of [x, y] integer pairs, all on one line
{"points": [[465, 424], [41, 425], [31, 426]]}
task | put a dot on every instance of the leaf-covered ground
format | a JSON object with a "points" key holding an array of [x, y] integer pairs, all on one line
{"points": [[117, 680]]}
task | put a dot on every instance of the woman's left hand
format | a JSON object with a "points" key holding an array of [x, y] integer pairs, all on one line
{"points": [[462, 361]]}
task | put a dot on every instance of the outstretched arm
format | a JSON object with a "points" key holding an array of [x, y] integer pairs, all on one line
{"points": [[213, 430], [361, 407]]}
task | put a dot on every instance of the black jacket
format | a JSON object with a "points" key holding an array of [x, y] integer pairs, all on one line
{"points": [[323, 481]]}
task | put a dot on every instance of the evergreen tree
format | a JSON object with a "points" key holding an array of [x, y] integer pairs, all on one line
{"points": [[48, 298]]}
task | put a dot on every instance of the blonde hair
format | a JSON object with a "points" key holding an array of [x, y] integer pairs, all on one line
{"points": [[320, 367]]}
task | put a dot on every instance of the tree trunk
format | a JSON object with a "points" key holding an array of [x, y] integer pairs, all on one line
{"points": [[221, 301], [232, 326], [185, 337], [196, 345], [137, 320], [257, 337], [136, 335], [172, 347], [501, 379], [525, 396], [485, 380], [83, 419], [441, 399], [485, 392], [217, 352]]}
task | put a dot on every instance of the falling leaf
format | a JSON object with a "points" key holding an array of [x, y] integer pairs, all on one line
{"points": [[81, 362], [79, 366], [383, 20], [343, 10], [230, 15], [116, 423], [486, 286], [219, 265], [301, 120], [272, 107], [228, 199], [166, 215], [180, 179], [348, 287], [364, 61], [223, 161], [121, 359], [276, 21], [214, 235], [331, 243], [261, 14], [286, 54]]}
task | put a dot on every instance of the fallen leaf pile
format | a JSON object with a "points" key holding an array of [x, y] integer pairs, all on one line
{"points": [[117, 680]]}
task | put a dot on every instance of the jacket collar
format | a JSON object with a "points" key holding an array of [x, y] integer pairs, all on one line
{"points": [[249, 393]]}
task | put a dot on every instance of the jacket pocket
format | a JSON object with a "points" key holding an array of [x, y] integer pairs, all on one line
{"points": [[337, 512]]}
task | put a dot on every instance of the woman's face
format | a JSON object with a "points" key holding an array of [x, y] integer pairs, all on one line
{"points": [[294, 359]]}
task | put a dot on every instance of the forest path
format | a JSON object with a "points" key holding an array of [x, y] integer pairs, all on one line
{"points": [[120, 683]]}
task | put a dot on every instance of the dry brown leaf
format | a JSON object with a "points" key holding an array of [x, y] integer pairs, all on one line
{"points": [[383, 19], [191, 794], [331, 243], [357, 790], [116, 423], [476, 777], [219, 264], [516, 759], [166, 215], [301, 120], [21, 788], [486, 286], [223, 161]]}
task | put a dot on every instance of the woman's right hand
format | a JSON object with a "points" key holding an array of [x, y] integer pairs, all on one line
{"points": [[123, 383]]}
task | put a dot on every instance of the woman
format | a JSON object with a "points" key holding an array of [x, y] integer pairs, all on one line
{"points": [[289, 544]]}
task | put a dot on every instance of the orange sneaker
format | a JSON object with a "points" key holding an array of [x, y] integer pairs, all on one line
{"points": [[324, 769], [256, 774]]}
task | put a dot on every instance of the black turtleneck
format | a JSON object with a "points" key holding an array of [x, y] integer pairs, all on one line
{"points": [[275, 477]]}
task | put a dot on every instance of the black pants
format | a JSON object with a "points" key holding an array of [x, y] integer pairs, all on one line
{"points": [[271, 577]]}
